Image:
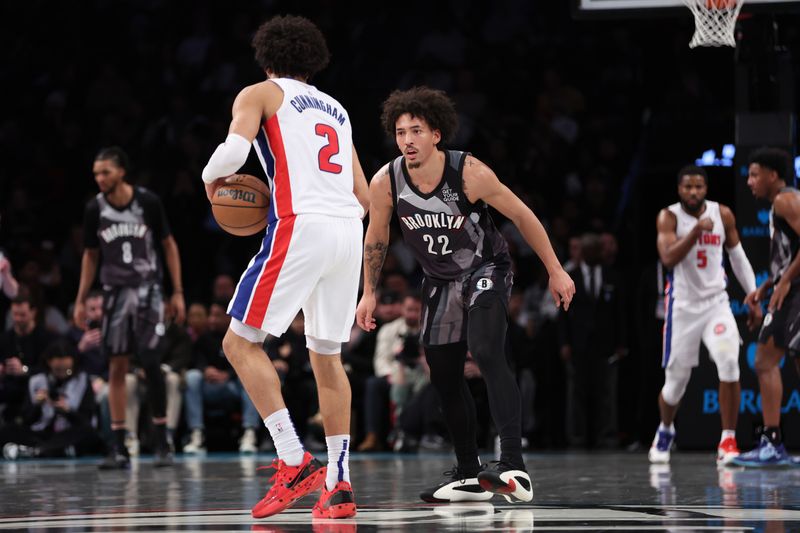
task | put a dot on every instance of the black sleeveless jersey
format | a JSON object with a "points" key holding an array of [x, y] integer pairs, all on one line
{"points": [[449, 235], [785, 243], [127, 238]]}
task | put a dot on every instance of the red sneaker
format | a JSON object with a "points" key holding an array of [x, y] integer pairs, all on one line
{"points": [[289, 484], [338, 503], [727, 451]]}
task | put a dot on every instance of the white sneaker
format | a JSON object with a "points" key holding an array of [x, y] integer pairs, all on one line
{"points": [[132, 444], [195, 444], [13, 451], [660, 449], [248, 443]]}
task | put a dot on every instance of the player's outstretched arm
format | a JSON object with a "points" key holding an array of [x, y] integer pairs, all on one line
{"points": [[481, 183], [250, 107], [360, 186], [787, 206], [376, 243], [671, 249]]}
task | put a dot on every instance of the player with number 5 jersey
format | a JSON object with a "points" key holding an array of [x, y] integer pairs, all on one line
{"points": [[692, 234], [310, 257], [441, 198]]}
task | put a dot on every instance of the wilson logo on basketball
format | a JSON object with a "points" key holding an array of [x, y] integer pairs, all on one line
{"points": [[236, 194], [719, 329]]}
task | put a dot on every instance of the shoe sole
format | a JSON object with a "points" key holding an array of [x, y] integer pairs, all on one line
{"points": [[311, 484], [343, 510], [507, 489], [726, 459]]}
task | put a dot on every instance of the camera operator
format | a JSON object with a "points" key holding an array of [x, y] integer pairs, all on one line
{"points": [[59, 412]]}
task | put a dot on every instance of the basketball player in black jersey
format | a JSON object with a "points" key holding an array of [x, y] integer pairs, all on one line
{"points": [[122, 226], [769, 172], [440, 198]]}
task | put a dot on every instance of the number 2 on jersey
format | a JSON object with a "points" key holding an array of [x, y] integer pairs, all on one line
{"points": [[702, 259], [329, 150], [443, 240]]}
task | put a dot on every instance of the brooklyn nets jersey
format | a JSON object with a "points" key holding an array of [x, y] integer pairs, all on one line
{"points": [[127, 238], [449, 235], [701, 274], [784, 244]]}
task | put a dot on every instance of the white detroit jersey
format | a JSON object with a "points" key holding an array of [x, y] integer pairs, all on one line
{"points": [[306, 150], [701, 274]]}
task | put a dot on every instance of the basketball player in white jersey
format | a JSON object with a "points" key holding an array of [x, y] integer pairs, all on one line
{"points": [[691, 235], [310, 258]]}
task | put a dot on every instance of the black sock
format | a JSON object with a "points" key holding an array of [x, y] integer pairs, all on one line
{"points": [[773, 434], [119, 440], [160, 436]]}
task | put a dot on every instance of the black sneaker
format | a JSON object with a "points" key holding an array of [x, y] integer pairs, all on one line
{"points": [[457, 488], [163, 457], [115, 460], [502, 478]]}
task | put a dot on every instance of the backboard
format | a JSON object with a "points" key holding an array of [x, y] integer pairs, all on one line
{"points": [[614, 8]]}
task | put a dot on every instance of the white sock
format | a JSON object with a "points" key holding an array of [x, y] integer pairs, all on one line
{"points": [[338, 460], [662, 427], [728, 433], [284, 437]]}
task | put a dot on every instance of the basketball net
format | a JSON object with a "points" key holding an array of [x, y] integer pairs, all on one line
{"points": [[714, 21]]}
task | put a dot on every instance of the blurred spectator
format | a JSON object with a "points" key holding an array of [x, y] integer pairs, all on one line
{"points": [[212, 382], [289, 355], [58, 418], [8, 283], [176, 347], [223, 288], [196, 321], [20, 350], [592, 337], [88, 339], [397, 370], [49, 316]]}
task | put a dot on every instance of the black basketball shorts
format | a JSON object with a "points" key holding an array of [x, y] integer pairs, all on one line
{"points": [[784, 324], [133, 319], [446, 305]]}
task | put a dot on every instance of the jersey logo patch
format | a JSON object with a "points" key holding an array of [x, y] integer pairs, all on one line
{"points": [[719, 329], [448, 195], [484, 284]]}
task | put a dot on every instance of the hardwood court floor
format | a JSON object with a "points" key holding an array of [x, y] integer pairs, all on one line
{"points": [[572, 492]]}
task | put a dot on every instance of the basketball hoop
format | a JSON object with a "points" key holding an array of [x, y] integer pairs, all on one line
{"points": [[714, 21]]}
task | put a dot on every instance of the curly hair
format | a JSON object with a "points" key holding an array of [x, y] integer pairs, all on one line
{"points": [[291, 46], [431, 105], [773, 159]]}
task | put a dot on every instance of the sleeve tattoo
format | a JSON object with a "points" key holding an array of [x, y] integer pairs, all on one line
{"points": [[374, 255]]}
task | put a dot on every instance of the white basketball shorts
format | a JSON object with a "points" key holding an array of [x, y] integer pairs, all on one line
{"points": [[309, 262], [687, 324]]}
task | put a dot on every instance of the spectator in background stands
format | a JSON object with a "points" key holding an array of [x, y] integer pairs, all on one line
{"points": [[20, 351], [592, 337], [223, 288], [58, 418], [212, 381], [397, 372], [176, 357], [196, 321], [8, 283]]}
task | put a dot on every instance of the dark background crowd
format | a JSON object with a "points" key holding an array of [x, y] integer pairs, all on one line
{"points": [[586, 120]]}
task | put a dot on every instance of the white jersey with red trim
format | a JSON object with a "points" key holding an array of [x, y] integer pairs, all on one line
{"points": [[701, 274], [306, 150]]}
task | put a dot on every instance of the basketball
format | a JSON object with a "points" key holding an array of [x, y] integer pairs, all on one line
{"points": [[240, 206]]}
